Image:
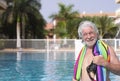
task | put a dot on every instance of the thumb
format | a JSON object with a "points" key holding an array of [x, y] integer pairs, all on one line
{"points": [[100, 55]]}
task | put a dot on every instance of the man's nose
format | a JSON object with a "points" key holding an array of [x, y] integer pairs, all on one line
{"points": [[88, 35]]}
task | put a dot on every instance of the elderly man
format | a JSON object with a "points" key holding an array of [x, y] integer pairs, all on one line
{"points": [[96, 58]]}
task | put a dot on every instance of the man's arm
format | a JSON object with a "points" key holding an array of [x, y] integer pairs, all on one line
{"points": [[113, 65], [114, 68]]}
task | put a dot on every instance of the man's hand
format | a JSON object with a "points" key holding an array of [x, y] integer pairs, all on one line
{"points": [[99, 60], [74, 79]]}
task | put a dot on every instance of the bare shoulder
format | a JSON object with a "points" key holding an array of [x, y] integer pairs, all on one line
{"points": [[113, 56]]}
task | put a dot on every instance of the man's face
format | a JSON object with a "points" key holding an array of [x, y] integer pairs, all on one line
{"points": [[89, 36]]}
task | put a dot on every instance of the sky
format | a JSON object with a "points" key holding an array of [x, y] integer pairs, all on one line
{"points": [[50, 7]]}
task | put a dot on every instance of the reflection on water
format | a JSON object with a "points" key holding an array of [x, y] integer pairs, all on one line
{"points": [[36, 67], [36, 71], [19, 55]]}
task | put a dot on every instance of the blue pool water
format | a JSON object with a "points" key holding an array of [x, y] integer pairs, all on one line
{"points": [[38, 67]]}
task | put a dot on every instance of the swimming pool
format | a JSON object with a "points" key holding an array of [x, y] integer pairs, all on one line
{"points": [[38, 67]]}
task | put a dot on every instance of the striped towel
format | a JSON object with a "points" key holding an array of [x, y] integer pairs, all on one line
{"points": [[100, 48]]}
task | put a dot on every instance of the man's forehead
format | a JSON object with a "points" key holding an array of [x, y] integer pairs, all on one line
{"points": [[87, 28]]}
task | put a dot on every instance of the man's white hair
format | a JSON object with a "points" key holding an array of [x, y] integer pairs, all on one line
{"points": [[84, 24]]}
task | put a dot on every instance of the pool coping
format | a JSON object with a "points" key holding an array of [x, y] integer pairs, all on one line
{"points": [[35, 50]]}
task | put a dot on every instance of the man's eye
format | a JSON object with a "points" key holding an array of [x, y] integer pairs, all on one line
{"points": [[85, 34]]}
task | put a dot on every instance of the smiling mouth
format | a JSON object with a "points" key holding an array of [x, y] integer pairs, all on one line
{"points": [[90, 40]]}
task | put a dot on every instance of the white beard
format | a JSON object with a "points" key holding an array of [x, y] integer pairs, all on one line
{"points": [[91, 43]]}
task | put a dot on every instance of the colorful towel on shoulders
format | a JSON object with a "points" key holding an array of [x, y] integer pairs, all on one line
{"points": [[100, 48]]}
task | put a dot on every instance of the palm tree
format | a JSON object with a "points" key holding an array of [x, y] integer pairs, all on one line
{"points": [[106, 26], [64, 17], [22, 12]]}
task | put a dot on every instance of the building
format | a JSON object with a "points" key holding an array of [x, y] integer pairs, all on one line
{"points": [[49, 27], [117, 1], [3, 6], [101, 13]]}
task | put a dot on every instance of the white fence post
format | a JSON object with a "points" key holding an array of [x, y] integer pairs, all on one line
{"points": [[78, 47], [115, 44], [47, 41]]}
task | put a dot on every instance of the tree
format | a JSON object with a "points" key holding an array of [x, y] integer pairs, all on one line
{"points": [[24, 12], [64, 17], [106, 26]]}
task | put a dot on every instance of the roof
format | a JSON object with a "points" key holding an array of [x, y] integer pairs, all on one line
{"points": [[98, 14], [49, 26]]}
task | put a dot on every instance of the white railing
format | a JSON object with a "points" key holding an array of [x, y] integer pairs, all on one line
{"points": [[53, 49], [50, 44]]}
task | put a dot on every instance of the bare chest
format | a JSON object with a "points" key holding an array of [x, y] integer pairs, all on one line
{"points": [[87, 59], [86, 62]]}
